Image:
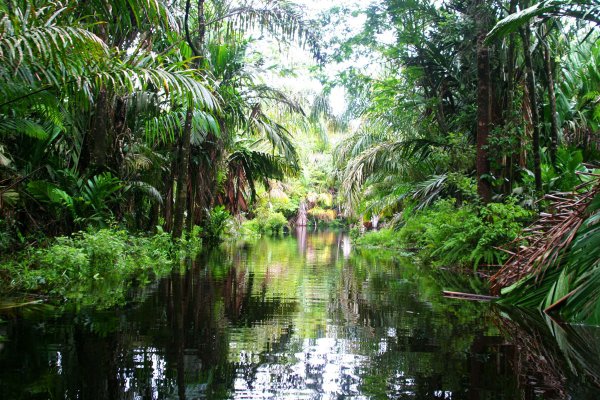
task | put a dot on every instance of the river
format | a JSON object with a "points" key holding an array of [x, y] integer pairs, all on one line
{"points": [[303, 316]]}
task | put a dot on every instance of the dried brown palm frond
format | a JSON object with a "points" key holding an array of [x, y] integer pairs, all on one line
{"points": [[548, 237]]}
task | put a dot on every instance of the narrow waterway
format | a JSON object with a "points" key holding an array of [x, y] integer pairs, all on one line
{"points": [[298, 317]]}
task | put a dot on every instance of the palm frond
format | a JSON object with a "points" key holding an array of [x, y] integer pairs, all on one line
{"points": [[558, 269], [100, 187], [182, 85], [145, 188], [276, 97], [247, 165], [165, 127], [22, 126], [282, 19], [277, 135], [428, 191], [582, 9]]}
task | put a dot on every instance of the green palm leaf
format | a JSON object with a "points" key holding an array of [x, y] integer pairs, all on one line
{"points": [[582, 9]]}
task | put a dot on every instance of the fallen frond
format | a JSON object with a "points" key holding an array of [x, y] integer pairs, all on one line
{"points": [[547, 238]]}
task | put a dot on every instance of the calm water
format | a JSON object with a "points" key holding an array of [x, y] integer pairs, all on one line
{"points": [[297, 318]]}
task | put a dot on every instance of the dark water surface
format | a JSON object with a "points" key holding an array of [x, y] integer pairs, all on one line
{"points": [[297, 318]]}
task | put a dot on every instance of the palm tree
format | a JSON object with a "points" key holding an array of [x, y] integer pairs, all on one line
{"points": [[220, 47], [68, 85]]}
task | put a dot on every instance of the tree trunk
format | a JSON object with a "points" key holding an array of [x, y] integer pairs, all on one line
{"points": [[537, 170], [182, 175], [509, 106], [191, 196], [484, 113], [168, 197], [153, 217], [552, 99], [99, 131]]}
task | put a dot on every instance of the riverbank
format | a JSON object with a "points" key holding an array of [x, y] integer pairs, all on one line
{"points": [[450, 235], [92, 267]]}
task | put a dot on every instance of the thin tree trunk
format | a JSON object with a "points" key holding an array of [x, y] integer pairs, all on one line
{"points": [[537, 170], [182, 175], [552, 98], [99, 137], [484, 112], [510, 96], [201, 28], [168, 204], [153, 217], [197, 46], [191, 197]]}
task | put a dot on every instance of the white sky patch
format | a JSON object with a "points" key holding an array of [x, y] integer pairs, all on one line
{"points": [[387, 37], [300, 60], [337, 99]]}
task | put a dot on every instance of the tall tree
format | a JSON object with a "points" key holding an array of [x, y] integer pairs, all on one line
{"points": [[484, 103], [548, 68], [535, 119]]}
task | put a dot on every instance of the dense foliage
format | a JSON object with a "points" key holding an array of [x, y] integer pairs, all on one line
{"points": [[142, 112], [464, 120], [93, 267], [470, 112]]}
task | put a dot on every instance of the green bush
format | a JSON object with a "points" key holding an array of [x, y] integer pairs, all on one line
{"points": [[266, 221], [103, 247], [448, 235], [383, 238], [92, 267], [215, 225], [464, 236], [354, 233], [276, 221], [252, 227]]}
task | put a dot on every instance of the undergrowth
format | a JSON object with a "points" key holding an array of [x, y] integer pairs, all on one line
{"points": [[386, 237], [94, 267], [447, 235]]}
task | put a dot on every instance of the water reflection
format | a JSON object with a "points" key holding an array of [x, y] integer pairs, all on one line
{"points": [[569, 368], [297, 318]]}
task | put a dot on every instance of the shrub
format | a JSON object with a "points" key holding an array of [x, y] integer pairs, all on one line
{"points": [[266, 221], [58, 265], [383, 238], [276, 222], [466, 235], [103, 247], [94, 267], [447, 235], [215, 225]]}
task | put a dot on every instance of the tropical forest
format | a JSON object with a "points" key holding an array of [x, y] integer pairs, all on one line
{"points": [[300, 199]]}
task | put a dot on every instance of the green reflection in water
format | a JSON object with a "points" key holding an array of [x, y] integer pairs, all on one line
{"points": [[296, 317]]}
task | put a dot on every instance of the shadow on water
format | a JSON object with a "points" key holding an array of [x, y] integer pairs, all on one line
{"points": [[297, 317]]}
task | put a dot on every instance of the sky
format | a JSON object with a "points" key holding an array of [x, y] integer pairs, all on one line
{"points": [[301, 60]]}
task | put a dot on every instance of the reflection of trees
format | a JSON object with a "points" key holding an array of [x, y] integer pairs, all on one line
{"points": [[418, 345], [203, 308], [550, 355], [271, 318]]}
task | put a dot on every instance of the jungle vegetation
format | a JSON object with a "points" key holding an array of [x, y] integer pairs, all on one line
{"points": [[480, 116], [466, 122]]}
